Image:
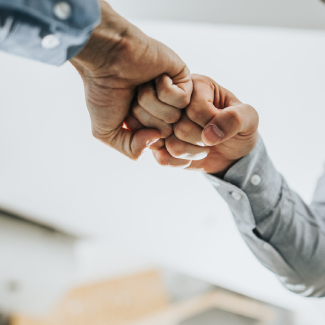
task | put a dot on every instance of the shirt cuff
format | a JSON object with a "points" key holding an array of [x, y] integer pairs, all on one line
{"points": [[47, 31], [256, 176]]}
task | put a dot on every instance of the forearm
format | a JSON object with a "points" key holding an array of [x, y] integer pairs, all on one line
{"points": [[42, 31], [284, 233]]}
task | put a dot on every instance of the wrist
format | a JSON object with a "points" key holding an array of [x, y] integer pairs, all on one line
{"points": [[109, 32], [221, 173]]}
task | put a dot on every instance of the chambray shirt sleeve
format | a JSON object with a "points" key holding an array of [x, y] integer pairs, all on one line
{"points": [[35, 29], [284, 233]]}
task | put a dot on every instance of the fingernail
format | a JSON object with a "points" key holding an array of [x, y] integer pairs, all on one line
{"points": [[150, 142], [213, 134]]}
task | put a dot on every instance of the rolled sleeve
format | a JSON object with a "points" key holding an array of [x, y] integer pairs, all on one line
{"points": [[48, 31]]}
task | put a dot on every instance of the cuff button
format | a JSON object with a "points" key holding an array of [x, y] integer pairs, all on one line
{"points": [[236, 196], [256, 180], [50, 42], [62, 10]]}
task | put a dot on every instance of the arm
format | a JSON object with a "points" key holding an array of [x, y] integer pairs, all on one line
{"points": [[218, 135], [284, 233], [47, 30], [112, 59]]}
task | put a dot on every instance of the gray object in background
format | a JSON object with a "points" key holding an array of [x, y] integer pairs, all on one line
{"points": [[37, 265], [4, 320], [215, 316], [182, 288]]}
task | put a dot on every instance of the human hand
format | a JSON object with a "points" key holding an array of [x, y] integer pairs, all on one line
{"points": [[116, 60], [213, 133]]}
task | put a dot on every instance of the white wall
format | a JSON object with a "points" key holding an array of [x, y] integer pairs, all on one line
{"points": [[52, 169], [288, 13]]}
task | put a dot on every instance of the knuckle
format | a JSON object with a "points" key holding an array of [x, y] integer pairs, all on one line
{"points": [[173, 116], [194, 113], [163, 94], [184, 100], [175, 148], [144, 97], [180, 100], [235, 117], [200, 78], [253, 119], [137, 110], [254, 113], [181, 130], [158, 145], [162, 158], [166, 131]]}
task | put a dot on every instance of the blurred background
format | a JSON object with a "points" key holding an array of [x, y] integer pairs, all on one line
{"points": [[277, 13], [87, 236]]}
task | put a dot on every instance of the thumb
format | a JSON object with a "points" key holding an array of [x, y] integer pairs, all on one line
{"points": [[142, 140], [240, 119], [133, 144]]}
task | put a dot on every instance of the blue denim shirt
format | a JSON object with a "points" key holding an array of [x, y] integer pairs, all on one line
{"points": [[50, 31]]}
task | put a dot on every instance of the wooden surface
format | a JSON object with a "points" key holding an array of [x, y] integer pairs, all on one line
{"points": [[112, 302], [229, 302], [142, 299]]}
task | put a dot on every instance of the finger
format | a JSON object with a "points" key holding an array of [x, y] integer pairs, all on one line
{"points": [[178, 91], [151, 121], [171, 93], [182, 150], [131, 144], [201, 109], [208, 98], [188, 131], [158, 144], [108, 110], [148, 100], [164, 158], [175, 91], [133, 124], [241, 119]]}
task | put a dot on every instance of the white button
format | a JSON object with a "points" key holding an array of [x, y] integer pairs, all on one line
{"points": [[256, 180], [50, 42], [236, 196], [62, 10]]}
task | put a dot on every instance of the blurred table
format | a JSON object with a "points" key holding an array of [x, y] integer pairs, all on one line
{"points": [[54, 171]]}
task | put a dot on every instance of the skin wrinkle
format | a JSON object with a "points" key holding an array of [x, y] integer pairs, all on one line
{"points": [[165, 94], [202, 111], [147, 98], [235, 117], [116, 60]]}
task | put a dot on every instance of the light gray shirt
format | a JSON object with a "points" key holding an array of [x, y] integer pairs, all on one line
{"points": [[284, 233]]}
